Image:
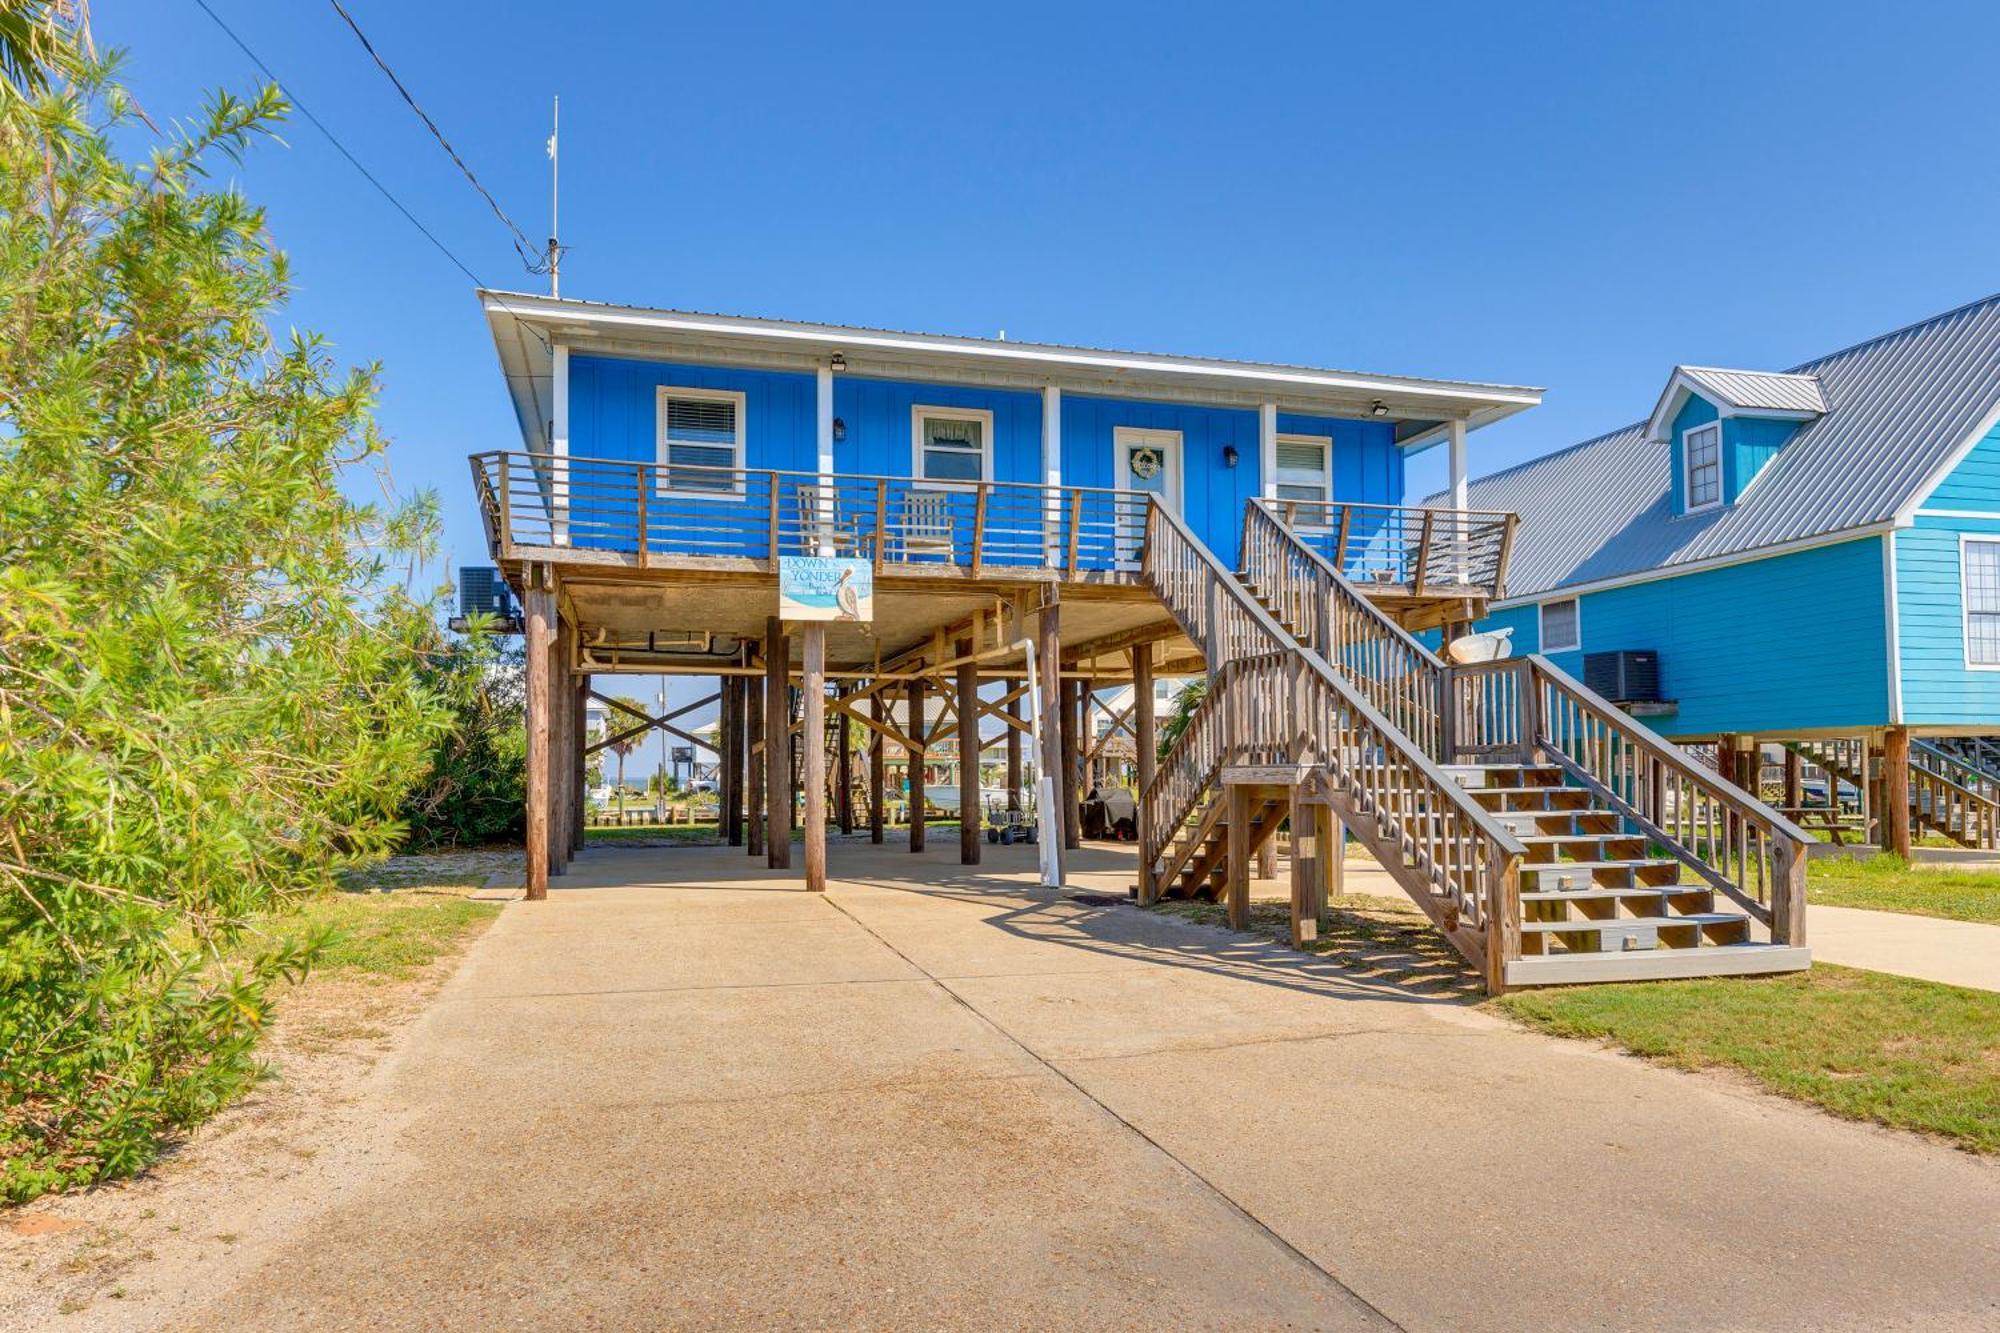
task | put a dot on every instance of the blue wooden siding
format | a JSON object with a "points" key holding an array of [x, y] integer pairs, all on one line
{"points": [[1788, 643], [878, 417], [1748, 443], [614, 410], [1939, 689], [1974, 483], [613, 415]]}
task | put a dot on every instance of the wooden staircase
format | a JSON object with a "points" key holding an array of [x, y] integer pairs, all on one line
{"points": [[1547, 835], [1949, 794]]}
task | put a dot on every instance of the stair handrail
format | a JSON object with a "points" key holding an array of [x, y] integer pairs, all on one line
{"points": [[1943, 775], [1963, 772], [1400, 676], [1739, 845], [1471, 861]]}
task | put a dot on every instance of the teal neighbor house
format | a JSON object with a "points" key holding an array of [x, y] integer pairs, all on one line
{"points": [[1809, 556]]}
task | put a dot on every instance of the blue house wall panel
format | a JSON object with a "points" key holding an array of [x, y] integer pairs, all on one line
{"points": [[1729, 662], [1748, 443], [1939, 687], [1212, 494], [879, 420], [613, 410]]}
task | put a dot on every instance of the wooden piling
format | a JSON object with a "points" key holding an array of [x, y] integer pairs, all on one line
{"points": [[538, 607], [813, 686], [777, 747], [968, 755]]}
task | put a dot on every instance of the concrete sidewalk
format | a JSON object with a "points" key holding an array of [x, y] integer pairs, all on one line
{"points": [[684, 1093], [1960, 953]]}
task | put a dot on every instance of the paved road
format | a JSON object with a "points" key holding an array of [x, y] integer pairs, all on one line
{"points": [[682, 1093]]}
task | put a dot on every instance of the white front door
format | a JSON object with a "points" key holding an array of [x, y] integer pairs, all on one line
{"points": [[1148, 461]]}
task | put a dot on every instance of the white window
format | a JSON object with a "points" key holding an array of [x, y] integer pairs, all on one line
{"points": [[1702, 447], [1305, 468], [1979, 580], [1562, 630], [952, 444], [701, 441]]}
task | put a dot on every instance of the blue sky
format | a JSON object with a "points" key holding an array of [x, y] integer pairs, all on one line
{"points": [[1575, 196]]}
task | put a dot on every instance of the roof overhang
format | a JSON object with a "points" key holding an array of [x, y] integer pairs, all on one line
{"points": [[1697, 381], [527, 329]]}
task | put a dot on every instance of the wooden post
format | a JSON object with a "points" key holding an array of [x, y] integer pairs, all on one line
{"points": [[1013, 749], [916, 764], [1332, 838], [1072, 812], [777, 747], [968, 755], [1308, 856], [1795, 786], [1146, 744], [1237, 885], [1896, 790], [562, 717], [843, 774], [735, 698], [814, 687], [538, 607], [878, 769], [753, 765], [582, 700], [1048, 665]]}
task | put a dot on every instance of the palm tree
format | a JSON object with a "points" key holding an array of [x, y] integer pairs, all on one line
{"points": [[1186, 700], [38, 38]]}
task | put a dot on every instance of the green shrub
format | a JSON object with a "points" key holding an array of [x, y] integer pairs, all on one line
{"points": [[211, 687]]}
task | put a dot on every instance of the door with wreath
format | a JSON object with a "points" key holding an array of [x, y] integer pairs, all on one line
{"points": [[1148, 461]]}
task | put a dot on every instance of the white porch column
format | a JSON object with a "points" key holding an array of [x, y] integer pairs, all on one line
{"points": [[558, 447], [1456, 435], [1267, 451], [1052, 508], [824, 501], [1460, 491]]}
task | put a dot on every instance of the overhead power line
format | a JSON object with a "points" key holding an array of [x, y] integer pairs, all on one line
{"points": [[334, 139], [536, 259]]}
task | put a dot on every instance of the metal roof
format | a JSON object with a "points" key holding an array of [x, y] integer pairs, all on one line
{"points": [[1897, 409], [1749, 390], [525, 327]]}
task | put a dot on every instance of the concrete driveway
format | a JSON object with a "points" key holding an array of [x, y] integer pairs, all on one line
{"points": [[684, 1093]]}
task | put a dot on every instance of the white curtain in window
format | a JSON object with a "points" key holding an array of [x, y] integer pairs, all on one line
{"points": [[954, 448]]}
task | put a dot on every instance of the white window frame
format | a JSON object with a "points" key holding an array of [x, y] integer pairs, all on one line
{"points": [[1687, 468], [666, 391], [1967, 539], [923, 412], [1325, 442], [1541, 625]]}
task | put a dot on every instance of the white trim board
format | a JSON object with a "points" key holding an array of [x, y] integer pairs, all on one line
{"points": [[1987, 425]]}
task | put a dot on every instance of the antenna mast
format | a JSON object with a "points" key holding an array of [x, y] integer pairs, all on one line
{"points": [[555, 200]]}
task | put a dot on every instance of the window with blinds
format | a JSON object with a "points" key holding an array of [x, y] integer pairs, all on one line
{"points": [[951, 447], [1979, 577], [1304, 472], [701, 440], [1562, 630], [1703, 446]]}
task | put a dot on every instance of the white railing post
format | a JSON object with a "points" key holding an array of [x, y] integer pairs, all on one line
{"points": [[559, 448], [823, 490], [1052, 506]]}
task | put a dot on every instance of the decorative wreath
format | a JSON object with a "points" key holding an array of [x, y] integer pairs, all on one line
{"points": [[1146, 463]]}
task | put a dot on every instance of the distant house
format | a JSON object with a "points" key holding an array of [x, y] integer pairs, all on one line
{"points": [[1813, 555]]}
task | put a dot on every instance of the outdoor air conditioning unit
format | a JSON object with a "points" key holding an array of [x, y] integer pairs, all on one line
{"points": [[481, 591], [1629, 676]]}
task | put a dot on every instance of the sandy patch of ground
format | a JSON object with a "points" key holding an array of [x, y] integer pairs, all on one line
{"points": [[130, 1253]]}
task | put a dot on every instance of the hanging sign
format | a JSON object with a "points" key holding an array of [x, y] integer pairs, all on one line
{"points": [[825, 587]]}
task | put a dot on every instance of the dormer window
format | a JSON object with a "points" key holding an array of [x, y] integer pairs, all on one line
{"points": [[1701, 447]]}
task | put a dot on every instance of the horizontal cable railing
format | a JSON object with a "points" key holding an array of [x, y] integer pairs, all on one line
{"points": [[650, 511], [1731, 839], [1399, 675], [1409, 549], [1285, 706]]}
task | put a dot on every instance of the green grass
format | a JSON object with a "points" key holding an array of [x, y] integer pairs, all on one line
{"points": [[706, 835], [1915, 1055], [1887, 884], [393, 935]]}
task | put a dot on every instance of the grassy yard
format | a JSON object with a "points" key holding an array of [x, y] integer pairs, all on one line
{"points": [[705, 835], [395, 919], [1864, 1045], [1915, 1055], [1890, 885]]}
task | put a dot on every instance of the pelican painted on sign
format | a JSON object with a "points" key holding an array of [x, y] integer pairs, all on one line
{"points": [[845, 597]]}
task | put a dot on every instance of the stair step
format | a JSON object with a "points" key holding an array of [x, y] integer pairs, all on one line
{"points": [[1657, 922], [1723, 960], [1599, 894]]}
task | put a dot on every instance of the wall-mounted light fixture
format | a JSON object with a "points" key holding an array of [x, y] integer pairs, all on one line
{"points": [[839, 361], [1229, 455], [839, 429], [1380, 409]]}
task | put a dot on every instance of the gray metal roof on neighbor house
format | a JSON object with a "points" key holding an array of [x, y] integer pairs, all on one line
{"points": [[1753, 389], [1896, 408]]}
